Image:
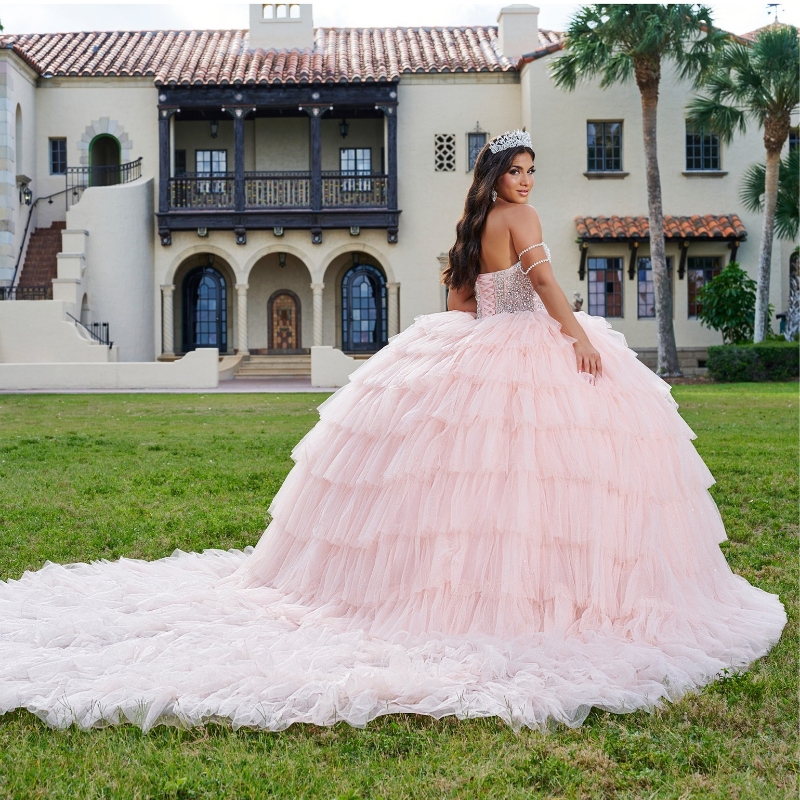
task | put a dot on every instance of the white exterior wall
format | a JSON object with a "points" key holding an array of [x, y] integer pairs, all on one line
{"points": [[119, 262], [17, 156], [66, 107], [557, 122]]}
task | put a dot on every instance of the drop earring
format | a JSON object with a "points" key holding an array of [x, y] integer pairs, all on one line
{"points": [[494, 195]]}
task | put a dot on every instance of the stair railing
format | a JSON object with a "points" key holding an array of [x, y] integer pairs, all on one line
{"points": [[48, 197], [97, 330]]}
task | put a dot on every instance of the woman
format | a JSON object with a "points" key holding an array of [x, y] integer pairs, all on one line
{"points": [[501, 514]]}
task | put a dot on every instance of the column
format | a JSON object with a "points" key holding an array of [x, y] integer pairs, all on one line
{"points": [[238, 159], [393, 303], [391, 121], [164, 115], [167, 320], [241, 302], [315, 113], [317, 288]]}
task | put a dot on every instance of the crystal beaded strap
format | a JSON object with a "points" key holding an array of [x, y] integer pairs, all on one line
{"points": [[535, 263]]}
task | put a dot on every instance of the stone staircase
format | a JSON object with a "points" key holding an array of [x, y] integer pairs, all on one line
{"points": [[259, 367], [41, 263]]}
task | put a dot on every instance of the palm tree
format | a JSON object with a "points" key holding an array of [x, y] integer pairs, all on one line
{"points": [[618, 42], [787, 204], [757, 81]]}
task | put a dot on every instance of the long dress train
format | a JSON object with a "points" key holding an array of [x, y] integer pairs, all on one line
{"points": [[472, 528]]}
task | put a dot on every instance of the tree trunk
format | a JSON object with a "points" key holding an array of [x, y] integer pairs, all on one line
{"points": [[761, 322], [668, 364]]}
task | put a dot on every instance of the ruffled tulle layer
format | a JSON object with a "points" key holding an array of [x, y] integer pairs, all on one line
{"points": [[473, 528]]}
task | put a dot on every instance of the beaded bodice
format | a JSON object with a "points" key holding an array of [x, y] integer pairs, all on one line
{"points": [[508, 291]]}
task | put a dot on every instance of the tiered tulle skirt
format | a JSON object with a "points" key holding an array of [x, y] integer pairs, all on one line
{"points": [[472, 528]]}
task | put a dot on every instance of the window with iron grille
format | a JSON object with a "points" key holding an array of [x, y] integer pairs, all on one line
{"points": [[700, 271], [604, 146], [702, 150], [605, 287], [58, 156], [444, 151], [475, 143], [646, 286], [794, 138], [355, 161]]}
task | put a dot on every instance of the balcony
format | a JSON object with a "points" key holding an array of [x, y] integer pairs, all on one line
{"points": [[264, 158]]}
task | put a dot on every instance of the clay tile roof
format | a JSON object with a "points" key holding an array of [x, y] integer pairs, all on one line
{"points": [[708, 226], [223, 57]]}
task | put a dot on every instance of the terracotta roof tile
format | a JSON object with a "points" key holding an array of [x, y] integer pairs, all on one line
{"points": [[708, 226], [221, 57]]}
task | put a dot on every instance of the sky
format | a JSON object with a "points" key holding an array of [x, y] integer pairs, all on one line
{"points": [[33, 17]]}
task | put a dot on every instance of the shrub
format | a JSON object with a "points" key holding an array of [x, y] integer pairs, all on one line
{"points": [[766, 361], [728, 304]]}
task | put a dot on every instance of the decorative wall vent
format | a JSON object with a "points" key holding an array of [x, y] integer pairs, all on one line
{"points": [[445, 152]]}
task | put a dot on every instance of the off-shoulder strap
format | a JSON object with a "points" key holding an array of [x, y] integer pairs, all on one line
{"points": [[535, 263]]}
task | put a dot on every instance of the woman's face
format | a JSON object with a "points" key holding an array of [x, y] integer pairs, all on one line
{"points": [[515, 184]]}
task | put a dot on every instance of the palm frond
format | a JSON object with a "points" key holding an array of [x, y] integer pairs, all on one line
{"points": [[716, 117], [787, 209]]}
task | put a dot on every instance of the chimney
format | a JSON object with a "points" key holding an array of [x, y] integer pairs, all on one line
{"points": [[281, 26], [518, 30]]}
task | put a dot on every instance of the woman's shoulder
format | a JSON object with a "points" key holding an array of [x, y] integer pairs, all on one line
{"points": [[518, 213]]}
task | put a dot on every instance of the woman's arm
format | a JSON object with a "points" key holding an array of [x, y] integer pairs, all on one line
{"points": [[526, 229], [462, 300]]}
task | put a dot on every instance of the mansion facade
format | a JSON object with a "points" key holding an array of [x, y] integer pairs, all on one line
{"points": [[271, 190]]}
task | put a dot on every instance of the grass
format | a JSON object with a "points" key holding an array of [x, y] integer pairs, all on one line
{"points": [[87, 476]]}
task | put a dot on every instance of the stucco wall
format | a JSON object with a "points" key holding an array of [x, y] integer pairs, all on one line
{"points": [[18, 124], [39, 331], [119, 262], [67, 106]]}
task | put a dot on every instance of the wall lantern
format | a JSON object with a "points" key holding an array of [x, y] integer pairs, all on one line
{"points": [[344, 128], [214, 128], [281, 260], [27, 195]]}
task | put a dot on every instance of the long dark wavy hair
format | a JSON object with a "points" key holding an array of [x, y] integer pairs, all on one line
{"points": [[463, 263]]}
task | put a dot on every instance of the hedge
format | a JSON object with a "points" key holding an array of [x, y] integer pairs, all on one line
{"points": [[766, 361]]}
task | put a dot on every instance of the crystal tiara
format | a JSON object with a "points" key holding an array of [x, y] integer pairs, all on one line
{"points": [[511, 139]]}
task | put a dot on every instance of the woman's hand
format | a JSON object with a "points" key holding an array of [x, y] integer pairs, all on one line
{"points": [[588, 359]]}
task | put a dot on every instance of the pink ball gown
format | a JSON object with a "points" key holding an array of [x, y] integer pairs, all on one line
{"points": [[472, 528]]}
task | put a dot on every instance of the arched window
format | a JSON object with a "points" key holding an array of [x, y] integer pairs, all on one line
{"points": [[205, 310], [363, 309], [104, 157]]}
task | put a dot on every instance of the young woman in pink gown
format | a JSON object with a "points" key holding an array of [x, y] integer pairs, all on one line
{"points": [[502, 514]]}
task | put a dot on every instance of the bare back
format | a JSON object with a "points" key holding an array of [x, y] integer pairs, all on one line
{"points": [[497, 245]]}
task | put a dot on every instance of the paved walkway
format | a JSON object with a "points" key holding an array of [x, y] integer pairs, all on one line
{"points": [[236, 386]]}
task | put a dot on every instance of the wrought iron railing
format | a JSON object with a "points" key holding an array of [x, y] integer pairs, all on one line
{"points": [[97, 330], [277, 190], [193, 191], [362, 191], [81, 178], [43, 292]]}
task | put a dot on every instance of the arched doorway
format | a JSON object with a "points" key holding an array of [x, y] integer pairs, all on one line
{"points": [[205, 315], [283, 315], [104, 157], [363, 309]]}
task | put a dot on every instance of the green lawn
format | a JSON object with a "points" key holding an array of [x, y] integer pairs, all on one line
{"points": [[87, 476]]}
